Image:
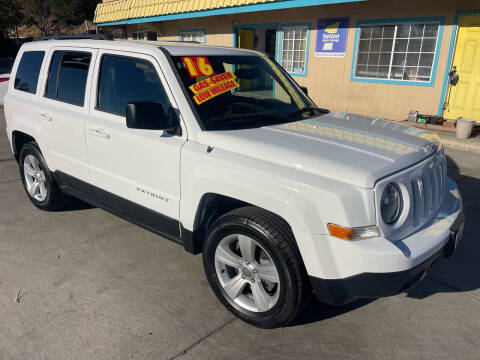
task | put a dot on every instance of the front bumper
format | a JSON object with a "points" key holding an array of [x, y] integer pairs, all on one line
{"points": [[374, 285], [377, 267]]}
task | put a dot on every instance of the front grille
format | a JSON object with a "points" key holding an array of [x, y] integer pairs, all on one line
{"points": [[428, 189]]}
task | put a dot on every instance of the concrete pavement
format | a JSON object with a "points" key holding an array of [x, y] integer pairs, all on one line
{"points": [[92, 286], [450, 140]]}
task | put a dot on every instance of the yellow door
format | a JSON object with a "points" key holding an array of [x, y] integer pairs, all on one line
{"points": [[245, 38], [245, 41], [464, 99]]}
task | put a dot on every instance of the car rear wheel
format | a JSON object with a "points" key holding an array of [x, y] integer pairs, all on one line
{"points": [[254, 267], [37, 180]]}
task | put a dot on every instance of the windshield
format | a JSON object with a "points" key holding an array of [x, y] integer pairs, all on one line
{"points": [[235, 92]]}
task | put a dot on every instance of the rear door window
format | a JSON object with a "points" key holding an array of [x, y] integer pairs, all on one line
{"points": [[51, 90], [67, 76], [123, 80], [26, 78]]}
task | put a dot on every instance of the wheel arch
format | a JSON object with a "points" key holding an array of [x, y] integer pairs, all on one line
{"points": [[211, 207], [19, 139]]}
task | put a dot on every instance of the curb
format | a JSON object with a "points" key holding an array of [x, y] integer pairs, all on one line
{"points": [[460, 144], [445, 135]]}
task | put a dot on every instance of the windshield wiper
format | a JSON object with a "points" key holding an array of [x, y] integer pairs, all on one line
{"points": [[308, 109]]}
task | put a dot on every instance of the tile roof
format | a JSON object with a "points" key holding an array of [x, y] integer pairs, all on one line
{"points": [[130, 9]]}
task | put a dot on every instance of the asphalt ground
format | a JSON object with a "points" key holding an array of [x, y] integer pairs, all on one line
{"points": [[83, 284]]}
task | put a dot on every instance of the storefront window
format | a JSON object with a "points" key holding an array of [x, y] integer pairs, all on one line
{"points": [[151, 35], [144, 35], [294, 49], [138, 35], [398, 52], [192, 35]]}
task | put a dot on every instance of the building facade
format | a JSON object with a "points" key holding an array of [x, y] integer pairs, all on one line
{"points": [[379, 58]]}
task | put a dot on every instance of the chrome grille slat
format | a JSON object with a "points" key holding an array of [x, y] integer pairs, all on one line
{"points": [[420, 198], [428, 191], [436, 180], [441, 185], [444, 175], [415, 201], [431, 194]]}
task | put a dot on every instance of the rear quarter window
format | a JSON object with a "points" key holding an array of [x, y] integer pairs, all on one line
{"points": [[26, 78]]}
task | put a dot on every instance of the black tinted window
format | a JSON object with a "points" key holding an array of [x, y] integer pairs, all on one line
{"points": [[68, 76], [51, 90], [28, 70], [124, 80], [6, 65]]}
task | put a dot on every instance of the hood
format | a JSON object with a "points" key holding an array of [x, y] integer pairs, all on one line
{"points": [[355, 149]]}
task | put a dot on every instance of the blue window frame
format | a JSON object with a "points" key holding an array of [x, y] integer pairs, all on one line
{"points": [[293, 45], [192, 35], [397, 51]]}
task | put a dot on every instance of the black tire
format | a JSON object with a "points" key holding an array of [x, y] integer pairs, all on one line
{"points": [[55, 199], [274, 235]]}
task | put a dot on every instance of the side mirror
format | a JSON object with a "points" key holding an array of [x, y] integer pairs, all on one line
{"points": [[151, 116], [304, 89]]}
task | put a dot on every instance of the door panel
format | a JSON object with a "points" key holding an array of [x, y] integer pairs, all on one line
{"points": [[469, 56], [476, 98], [460, 95], [63, 122], [142, 166], [463, 98]]}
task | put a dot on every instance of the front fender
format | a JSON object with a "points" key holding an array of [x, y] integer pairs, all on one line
{"points": [[306, 201]]}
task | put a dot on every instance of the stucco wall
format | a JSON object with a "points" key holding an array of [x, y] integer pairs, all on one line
{"points": [[328, 79]]}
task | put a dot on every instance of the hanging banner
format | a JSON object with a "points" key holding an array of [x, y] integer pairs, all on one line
{"points": [[332, 37]]}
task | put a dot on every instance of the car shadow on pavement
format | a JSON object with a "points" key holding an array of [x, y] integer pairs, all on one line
{"points": [[317, 311], [75, 204], [461, 272]]}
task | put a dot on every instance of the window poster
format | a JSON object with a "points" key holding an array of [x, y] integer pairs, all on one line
{"points": [[332, 37]]}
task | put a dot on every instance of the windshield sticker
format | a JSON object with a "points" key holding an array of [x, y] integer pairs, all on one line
{"points": [[198, 66], [216, 85], [212, 81]]}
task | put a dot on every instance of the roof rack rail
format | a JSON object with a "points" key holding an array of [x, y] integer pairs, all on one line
{"points": [[75, 37], [154, 42], [181, 41]]}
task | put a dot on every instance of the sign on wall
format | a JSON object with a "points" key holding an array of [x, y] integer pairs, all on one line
{"points": [[331, 37]]}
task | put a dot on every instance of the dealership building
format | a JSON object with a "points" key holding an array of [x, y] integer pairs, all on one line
{"points": [[380, 58]]}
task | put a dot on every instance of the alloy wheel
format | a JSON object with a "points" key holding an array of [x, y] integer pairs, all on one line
{"points": [[247, 273], [35, 179]]}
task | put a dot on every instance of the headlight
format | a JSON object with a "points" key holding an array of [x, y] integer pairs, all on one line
{"points": [[391, 203]]}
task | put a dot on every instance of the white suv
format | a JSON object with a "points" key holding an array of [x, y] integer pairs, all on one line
{"points": [[220, 150]]}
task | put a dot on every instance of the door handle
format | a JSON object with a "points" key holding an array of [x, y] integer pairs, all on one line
{"points": [[100, 133], [45, 117]]}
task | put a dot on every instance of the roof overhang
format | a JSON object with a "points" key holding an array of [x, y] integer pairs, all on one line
{"points": [[124, 12]]}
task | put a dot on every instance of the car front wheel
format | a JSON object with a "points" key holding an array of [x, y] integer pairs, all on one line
{"points": [[254, 267]]}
